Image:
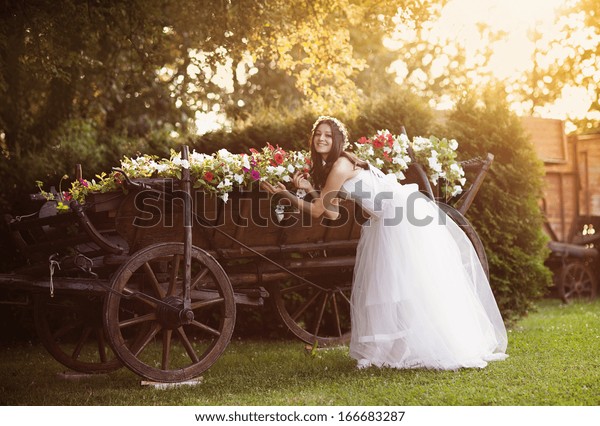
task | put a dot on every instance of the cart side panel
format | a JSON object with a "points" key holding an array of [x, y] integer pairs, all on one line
{"points": [[560, 197]]}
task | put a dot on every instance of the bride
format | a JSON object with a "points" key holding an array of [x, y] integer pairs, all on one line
{"points": [[420, 298]]}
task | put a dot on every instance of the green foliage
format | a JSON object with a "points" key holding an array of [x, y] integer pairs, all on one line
{"points": [[506, 213]]}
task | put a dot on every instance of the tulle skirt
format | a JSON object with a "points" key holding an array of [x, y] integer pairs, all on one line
{"points": [[420, 297]]}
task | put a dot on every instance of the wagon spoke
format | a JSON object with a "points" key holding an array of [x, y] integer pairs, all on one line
{"points": [[321, 311], [336, 315], [153, 280], [206, 328], [81, 342], [174, 272], [187, 345], [293, 288], [137, 320], [63, 331], [198, 278], [166, 352], [306, 304], [346, 298], [101, 344], [147, 339], [205, 303]]}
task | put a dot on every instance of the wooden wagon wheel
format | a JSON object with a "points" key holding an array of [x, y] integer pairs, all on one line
{"points": [[577, 281], [145, 321], [314, 314], [70, 328], [468, 229]]}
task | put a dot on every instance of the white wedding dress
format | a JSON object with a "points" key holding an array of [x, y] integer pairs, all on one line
{"points": [[420, 297]]}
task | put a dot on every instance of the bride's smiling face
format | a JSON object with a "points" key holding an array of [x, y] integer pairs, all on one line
{"points": [[323, 140]]}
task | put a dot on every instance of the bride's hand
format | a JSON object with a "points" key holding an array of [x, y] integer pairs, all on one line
{"points": [[273, 189], [301, 182]]}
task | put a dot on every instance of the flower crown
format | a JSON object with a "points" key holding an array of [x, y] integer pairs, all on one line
{"points": [[339, 125]]}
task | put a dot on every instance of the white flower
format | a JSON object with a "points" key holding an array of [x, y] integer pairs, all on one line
{"points": [[379, 161], [456, 190], [161, 167], [245, 161], [434, 164], [239, 178], [224, 196], [224, 153], [462, 181], [453, 144], [225, 183], [290, 168], [420, 143], [185, 164], [280, 170]]}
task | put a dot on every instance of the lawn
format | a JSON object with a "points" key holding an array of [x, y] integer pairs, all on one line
{"points": [[554, 360]]}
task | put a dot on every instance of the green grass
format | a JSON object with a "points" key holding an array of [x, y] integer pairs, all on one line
{"points": [[554, 360]]}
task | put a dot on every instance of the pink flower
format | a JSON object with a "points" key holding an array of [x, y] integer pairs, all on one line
{"points": [[208, 176], [255, 174], [84, 182]]}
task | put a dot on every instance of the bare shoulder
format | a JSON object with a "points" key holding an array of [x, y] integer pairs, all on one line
{"points": [[343, 165]]}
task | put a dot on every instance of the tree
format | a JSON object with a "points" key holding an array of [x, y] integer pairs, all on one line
{"points": [[506, 213], [138, 73], [565, 67]]}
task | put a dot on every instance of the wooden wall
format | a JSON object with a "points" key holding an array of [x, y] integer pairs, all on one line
{"points": [[561, 191]]}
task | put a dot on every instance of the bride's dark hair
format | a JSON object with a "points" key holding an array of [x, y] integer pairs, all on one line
{"points": [[320, 169]]}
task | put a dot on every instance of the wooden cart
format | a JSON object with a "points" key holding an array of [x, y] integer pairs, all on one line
{"points": [[571, 204], [153, 277]]}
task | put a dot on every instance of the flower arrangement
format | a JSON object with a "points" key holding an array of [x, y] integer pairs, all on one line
{"points": [[386, 151], [220, 172], [438, 156]]}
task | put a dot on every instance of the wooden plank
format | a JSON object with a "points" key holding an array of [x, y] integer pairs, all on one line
{"points": [[548, 138], [560, 200], [589, 145]]}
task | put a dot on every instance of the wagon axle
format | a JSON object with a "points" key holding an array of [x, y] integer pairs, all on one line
{"points": [[172, 314]]}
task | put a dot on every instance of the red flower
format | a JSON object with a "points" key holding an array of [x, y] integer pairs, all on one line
{"points": [[253, 151], [271, 147], [390, 140], [363, 140], [66, 196], [378, 142], [278, 157], [208, 176]]}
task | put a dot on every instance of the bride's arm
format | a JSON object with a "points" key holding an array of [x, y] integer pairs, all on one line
{"points": [[325, 204]]}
